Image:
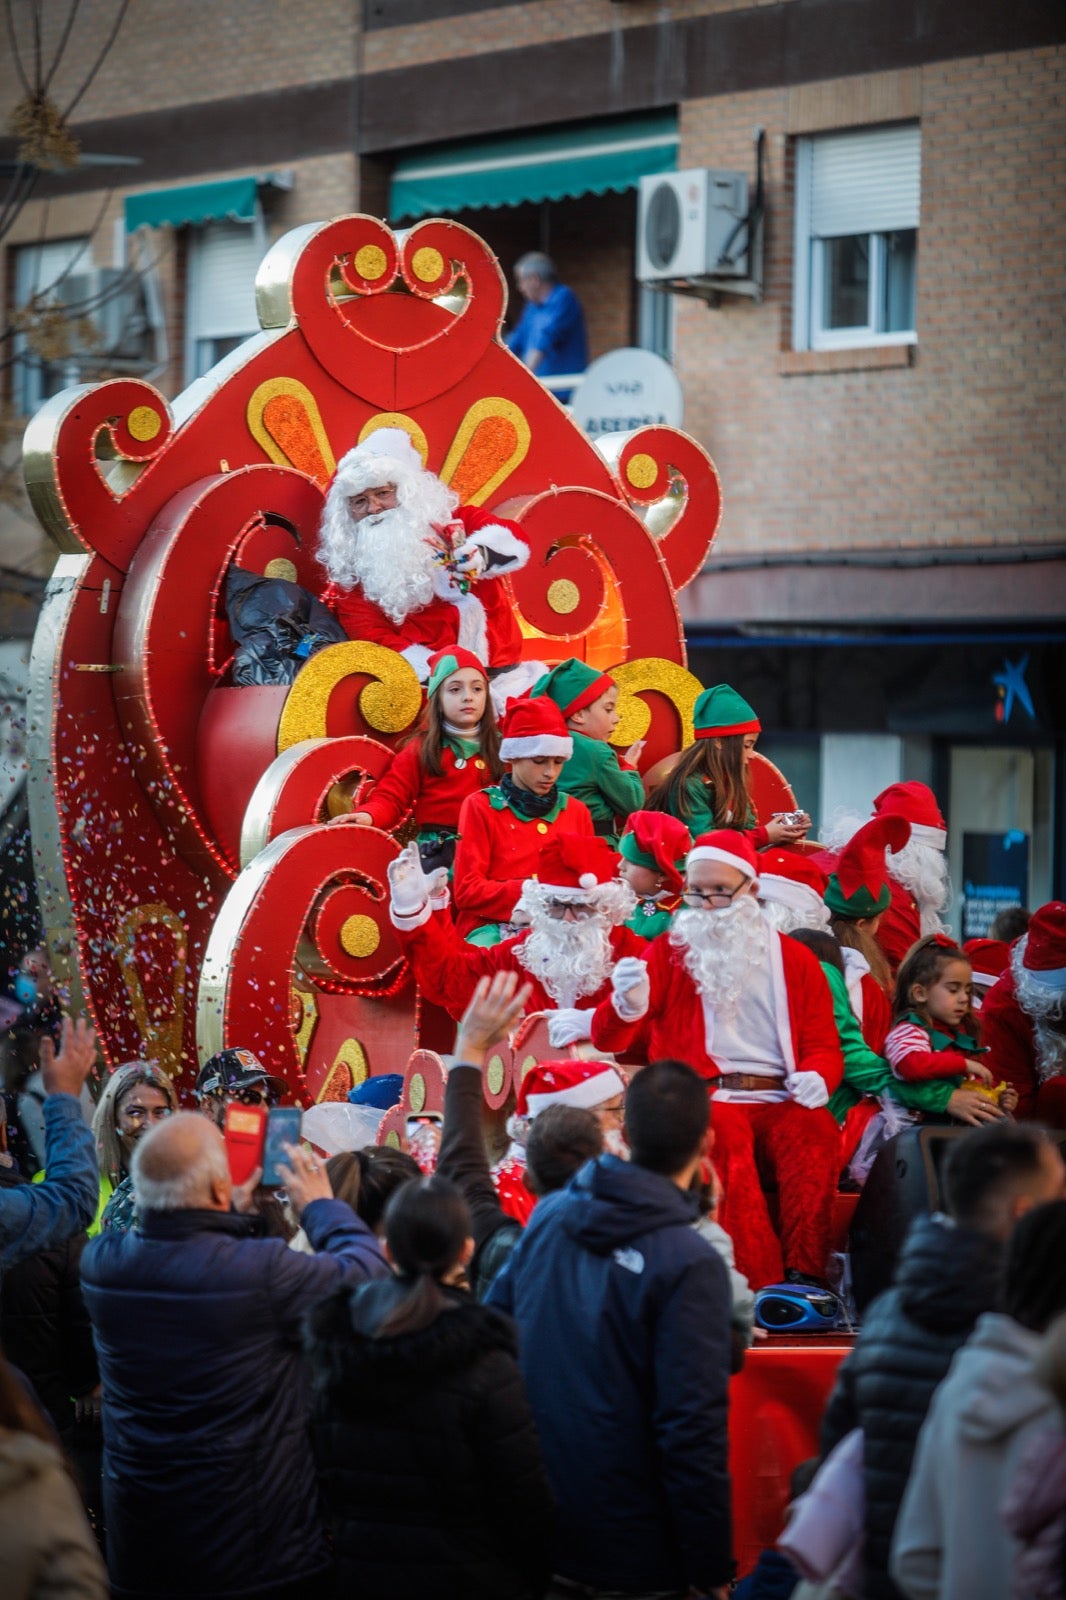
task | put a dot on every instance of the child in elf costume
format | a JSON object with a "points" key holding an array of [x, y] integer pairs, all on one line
{"points": [[454, 752], [935, 1033], [503, 830], [708, 788], [653, 850], [858, 894], [607, 783]]}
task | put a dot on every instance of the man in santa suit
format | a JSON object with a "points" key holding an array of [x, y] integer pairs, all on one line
{"points": [[409, 567], [918, 881], [576, 908], [791, 890], [750, 1010], [1023, 1019], [588, 1085]]}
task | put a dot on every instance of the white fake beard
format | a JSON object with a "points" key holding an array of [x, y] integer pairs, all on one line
{"points": [[789, 919], [570, 959], [386, 554], [722, 949], [922, 870]]}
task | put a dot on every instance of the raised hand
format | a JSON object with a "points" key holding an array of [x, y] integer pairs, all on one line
{"points": [[66, 1072], [495, 1007], [408, 884], [631, 988]]}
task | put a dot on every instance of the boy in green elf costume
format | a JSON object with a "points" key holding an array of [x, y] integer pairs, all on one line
{"points": [[609, 784]]}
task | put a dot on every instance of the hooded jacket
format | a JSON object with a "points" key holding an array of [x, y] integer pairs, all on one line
{"points": [[623, 1314], [950, 1541], [1034, 1510], [426, 1452], [947, 1276], [46, 1543]]}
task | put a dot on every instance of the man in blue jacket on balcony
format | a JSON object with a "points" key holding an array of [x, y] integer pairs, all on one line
{"points": [[623, 1315], [550, 334]]}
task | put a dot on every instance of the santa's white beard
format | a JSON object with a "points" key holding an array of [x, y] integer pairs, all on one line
{"points": [[1042, 1003], [570, 959], [386, 554], [922, 870], [722, 949], [788, 919]]}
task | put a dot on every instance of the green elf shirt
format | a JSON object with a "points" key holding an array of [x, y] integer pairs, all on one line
{"points": [[653, 917], [865, 1072], [595, 775]]}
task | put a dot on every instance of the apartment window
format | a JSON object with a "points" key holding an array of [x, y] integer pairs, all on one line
{"points": [[856, 248], [220, 309], [45, 356]]}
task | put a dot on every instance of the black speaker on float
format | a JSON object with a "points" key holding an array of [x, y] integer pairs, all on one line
{"points": [[903, 1182]]}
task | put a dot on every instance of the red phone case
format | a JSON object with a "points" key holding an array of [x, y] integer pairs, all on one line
{"points": [[245, 1134]]}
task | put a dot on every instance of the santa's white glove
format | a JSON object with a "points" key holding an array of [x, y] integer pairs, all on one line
{"points": [[808, 1089], [470, 559], [439, 891], [568, 1025], [408, 885], [631, 988], [417, 657]]}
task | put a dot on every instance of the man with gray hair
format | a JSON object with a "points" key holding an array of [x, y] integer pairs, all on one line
{"points": [[550, 334], [209, 1483]]}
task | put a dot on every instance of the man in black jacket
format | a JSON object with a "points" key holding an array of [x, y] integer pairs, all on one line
{"points": [[948, 1275], [623, 1315]]}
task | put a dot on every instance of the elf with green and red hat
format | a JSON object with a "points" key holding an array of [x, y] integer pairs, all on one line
{"points": [[653, 850], [454, 752], [708, 786], [609, 784], [858, 894]]}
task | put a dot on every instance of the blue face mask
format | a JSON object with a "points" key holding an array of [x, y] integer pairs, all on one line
{"points": [[25, 990]]}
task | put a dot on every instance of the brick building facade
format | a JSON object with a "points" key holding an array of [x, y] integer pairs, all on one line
{"points": [[893, 534]]}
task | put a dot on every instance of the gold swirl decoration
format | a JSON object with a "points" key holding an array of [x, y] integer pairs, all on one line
{"points": [[652, 674], [161, 1032], [389, 703]]}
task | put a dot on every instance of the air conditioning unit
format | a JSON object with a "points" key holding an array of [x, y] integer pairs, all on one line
{"points": [[113, 301], [693, 225]]}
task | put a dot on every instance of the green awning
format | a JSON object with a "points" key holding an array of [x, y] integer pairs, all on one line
{"points": [[583, 158], [233, 198]]}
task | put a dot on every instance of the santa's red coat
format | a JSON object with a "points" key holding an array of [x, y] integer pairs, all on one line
{"points": [[447, 969], [498, 850], [799, 1148], [436, 626], [1012, 1055]]}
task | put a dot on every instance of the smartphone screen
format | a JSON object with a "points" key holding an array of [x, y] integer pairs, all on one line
{"points": [[283, 1127]]}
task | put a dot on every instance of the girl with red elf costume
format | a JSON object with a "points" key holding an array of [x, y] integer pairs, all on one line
{"points": [[503, 829], [708, 787], [455, 752]]}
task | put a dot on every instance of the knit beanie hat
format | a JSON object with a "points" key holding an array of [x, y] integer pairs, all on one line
{"points": [[573, 685], [658, 841], [534, 727], [859, 887], [721, 711]]}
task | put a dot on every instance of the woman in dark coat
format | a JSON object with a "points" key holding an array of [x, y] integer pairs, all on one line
{"points": [[426, 1451]]}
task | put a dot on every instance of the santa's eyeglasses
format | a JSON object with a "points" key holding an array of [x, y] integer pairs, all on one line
{"points": [[578, 909], [712, 897]]}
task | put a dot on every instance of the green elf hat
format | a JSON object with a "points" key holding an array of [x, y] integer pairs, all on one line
{"points": [[720, 711], [453, 659], [658, 841], [859, 887], [573, 685]]}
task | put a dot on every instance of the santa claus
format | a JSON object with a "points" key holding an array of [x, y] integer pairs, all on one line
{"points": [[1023, 1019], [576, 909], [408, 566], [791, 890], [588, 1085], [751, 1011], [919, 886]]}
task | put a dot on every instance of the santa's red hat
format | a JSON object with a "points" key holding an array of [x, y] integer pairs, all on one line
{"points": [[658, 841], [576, 861], [1044, 957], [567, 1083], [534, 727], [917, 803], [731, 848], [859, 888], [792, 879], [988, 958], [451, 660]]}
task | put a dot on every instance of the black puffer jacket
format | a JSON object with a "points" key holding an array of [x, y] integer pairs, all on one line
{"points": [[947, 1277], [427, 1454]]}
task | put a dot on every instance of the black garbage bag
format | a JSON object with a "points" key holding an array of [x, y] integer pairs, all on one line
{"points": [[275, 625]]}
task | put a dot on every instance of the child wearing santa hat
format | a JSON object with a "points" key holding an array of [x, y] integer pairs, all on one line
{"points": [[653, 850], [503, 829], [592, 1085], [708, 787], [608, 784], [454, 752]]}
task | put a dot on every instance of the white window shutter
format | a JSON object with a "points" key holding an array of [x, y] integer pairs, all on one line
{"points": [[222, 302], [868, 182]]}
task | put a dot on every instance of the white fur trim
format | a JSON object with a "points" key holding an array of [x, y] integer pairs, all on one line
{"points": [[417, 657], [539, 744], [787, 892], [515, 684], [473, 629], [710, 852], [937, 837], [987, 978], [502, 542], [590, 1092], [416, 919]]}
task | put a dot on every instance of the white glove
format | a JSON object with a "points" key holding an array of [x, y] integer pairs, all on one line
{"points": [[632, 988], [408, 884], [470, 559], [569, 1025], [417, 657], [808, 1089], [438, 889]]}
